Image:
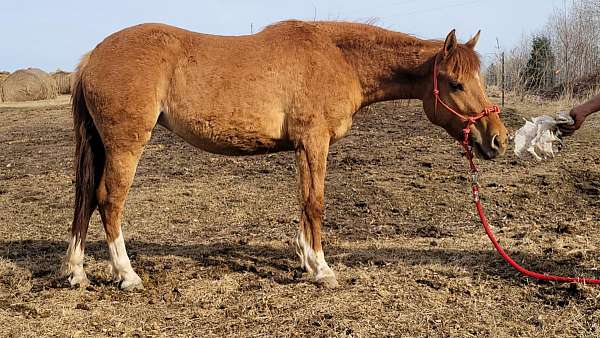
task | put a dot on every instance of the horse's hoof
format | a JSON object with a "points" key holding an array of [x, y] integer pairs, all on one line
{"points": [[133, 283], [328, 281], [78, 280], [129, 287]]}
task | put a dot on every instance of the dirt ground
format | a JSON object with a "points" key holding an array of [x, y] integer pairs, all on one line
{"points": [[211, 237]]}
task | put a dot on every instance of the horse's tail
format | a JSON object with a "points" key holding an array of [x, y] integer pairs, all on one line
{"points": [[89, 157]]}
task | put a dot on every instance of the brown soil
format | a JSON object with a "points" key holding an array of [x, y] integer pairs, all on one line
{"points": [[210, 237]]}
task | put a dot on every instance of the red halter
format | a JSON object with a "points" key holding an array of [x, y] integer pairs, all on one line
{"points": [[471, 119]]}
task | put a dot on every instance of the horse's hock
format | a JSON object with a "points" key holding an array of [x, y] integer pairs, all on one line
{"points": [[28, 85]]}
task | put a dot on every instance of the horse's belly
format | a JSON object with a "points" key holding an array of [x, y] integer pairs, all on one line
{"points": [[230, 137]]}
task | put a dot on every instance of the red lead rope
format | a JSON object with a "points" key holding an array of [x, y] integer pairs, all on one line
{"points": [[475, 189], [490, 233]]}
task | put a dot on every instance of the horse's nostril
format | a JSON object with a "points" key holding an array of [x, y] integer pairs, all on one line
{"points": [[496, 143]]}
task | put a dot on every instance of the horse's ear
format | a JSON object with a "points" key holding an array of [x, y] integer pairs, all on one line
{"points": [[473, 41], [450, 43]]}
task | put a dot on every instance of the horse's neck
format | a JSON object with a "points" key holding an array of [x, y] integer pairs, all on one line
{"points": [[389, 65]]}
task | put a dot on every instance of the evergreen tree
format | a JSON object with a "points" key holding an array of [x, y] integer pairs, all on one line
{"points": [[539, 70]]}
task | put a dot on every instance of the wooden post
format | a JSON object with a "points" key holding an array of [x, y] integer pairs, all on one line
{"points": [[502, 69], [502, 79]]}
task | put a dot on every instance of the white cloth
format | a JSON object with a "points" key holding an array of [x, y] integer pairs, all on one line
{"points": [[539, 136]]}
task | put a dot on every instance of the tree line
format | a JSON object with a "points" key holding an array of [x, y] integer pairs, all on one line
{"points": [[562, 59]]}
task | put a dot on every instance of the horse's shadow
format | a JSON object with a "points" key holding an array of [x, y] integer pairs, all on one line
{"points": [[43, 258]]}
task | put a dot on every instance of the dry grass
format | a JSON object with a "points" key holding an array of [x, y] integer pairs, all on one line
{"points": [[210, 236], [60, 100]]}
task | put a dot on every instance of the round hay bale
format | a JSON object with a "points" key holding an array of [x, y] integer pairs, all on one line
{"points": [[3, 75], [46, 77], [28, 85], [63, 81]]}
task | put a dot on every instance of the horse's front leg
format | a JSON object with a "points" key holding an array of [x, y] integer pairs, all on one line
{"points": [[311, 157]]}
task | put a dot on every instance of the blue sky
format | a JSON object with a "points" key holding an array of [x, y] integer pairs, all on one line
{"points": [[54, 34]]}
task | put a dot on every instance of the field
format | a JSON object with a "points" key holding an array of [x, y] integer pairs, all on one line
{"points": [[211, 237]]}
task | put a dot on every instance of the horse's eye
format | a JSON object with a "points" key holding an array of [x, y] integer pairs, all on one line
{"points": [[456, 86]]}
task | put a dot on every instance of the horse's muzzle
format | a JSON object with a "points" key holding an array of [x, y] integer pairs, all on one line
{"points": [[489, 150]]}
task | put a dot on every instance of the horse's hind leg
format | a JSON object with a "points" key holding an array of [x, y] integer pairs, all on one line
{"points": [[124, 141], [311, 157], [73, 264], [119, 171]]}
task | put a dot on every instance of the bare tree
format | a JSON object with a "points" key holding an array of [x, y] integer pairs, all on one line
{"points": [[574, 35]]}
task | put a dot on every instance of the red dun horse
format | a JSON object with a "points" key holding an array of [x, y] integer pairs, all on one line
{"points": [[295, 86]]}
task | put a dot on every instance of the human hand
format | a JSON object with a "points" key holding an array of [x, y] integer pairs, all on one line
{"points": [[578, 115]]}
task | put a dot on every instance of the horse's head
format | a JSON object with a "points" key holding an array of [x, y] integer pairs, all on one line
{"points": [[456, 70]]}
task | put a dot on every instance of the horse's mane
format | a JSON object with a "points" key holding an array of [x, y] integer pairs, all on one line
{"points": [[462, 61]]}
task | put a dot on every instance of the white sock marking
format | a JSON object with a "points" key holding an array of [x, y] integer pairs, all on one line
{"points": [[313, 261], [120, 264], [74, 263]]}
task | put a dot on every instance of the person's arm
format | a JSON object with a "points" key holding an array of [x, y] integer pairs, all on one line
{"points": [[579, 113]]}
